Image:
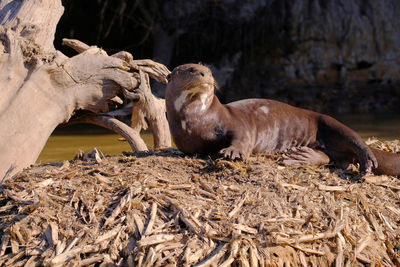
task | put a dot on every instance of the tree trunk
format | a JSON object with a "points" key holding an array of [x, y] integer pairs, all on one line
{"points": [[42, 88]]}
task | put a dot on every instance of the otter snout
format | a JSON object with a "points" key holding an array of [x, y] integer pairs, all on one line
{"points": [[192, 73], [195, 71]]}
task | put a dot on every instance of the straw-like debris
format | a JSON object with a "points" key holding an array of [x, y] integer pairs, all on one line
{"points": [[165, 209]]}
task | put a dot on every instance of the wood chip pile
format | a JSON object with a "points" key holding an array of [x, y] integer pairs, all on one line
{"points": [[165, 209]]}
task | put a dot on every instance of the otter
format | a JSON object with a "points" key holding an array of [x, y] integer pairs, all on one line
{"points": [[200, 124]]}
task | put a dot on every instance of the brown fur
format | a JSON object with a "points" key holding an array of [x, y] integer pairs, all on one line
{"points": [[199, 123]]}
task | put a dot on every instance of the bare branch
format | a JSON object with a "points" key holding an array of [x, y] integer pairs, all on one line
{"points": [[132, 136], [77, 45]]}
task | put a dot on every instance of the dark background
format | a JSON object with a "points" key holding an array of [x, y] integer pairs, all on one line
{"points": [[330, 56]]}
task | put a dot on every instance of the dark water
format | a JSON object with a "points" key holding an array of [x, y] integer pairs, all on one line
{"points": [[381, 126], [66, 142]]}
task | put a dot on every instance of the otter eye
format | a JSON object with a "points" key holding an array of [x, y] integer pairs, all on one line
{"points": [[202, 74]]}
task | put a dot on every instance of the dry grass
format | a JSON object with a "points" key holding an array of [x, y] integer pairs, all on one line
{"points": [[164, 209]]}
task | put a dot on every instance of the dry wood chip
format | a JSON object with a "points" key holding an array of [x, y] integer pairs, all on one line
{"points": [[303, 260], [180, 186], [6, 208], [197, 222], [362, 244], [124, 200], [166, 246], [206, 193], [152, 219], [307, 238], [214, 257], [363, 259], [140, 258], [33, 261], [393, 187], [113, 250], [285, 220], [254, 257], [52, 234], [60, 247], [55, 197], [109, 234], [228, 262], [5, 239], [66, 256], [45, 183], [394, 210], [390, 225], [36, 250], [164, 259], [293, 186], [373, 179], [349, 237], [48, 253], [102, 178], [151, 257], [307, 250], [206, 187], [245, 228], [340, 241], [16, 233], [339, 260], [139, 224], [14, 246], [16, 196], [243, 259], [11, 261], [160, 201], [377, 226], [331, 188], [193, 252], [188, 223], [238, 205], [92, 260], [155, 239], [74, 241], [65, 166]]}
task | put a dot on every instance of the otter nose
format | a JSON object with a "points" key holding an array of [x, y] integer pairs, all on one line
{"points": [[194, 71]]}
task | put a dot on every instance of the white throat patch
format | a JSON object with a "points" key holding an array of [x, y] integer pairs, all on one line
{"points": [[203, 98], [182, 98]]}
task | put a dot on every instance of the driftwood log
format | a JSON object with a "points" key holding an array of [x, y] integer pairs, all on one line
{"points": [[42, 88]]}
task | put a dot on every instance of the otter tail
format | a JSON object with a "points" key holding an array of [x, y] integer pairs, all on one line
{"points": [[388, 163]]}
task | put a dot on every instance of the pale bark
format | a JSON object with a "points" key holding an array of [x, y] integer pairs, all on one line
{"points": [[109, 122], [42, 88]]}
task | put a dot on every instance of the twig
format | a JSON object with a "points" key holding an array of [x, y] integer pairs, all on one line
{"points": [[213, 257], [150, 224], [155, 239], [124, 200], [238, 206]]}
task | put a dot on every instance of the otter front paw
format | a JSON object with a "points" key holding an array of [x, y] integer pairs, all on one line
{"points": [[367, 163], [232, 153]]}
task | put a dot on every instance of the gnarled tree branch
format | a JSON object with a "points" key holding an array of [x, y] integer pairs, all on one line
{"points": [[42, 88]]}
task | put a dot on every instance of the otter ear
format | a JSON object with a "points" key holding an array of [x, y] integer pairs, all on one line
{"points": [[169, 77]]}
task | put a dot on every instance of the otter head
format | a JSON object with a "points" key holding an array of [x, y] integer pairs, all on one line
{"points": [[190, 83]]}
